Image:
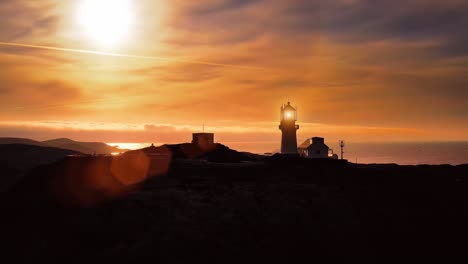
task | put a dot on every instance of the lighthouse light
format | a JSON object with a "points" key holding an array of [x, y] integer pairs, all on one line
{"points": [[288, 127]]}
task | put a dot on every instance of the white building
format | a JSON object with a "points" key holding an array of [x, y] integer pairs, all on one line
{"points": [[314, 148]]}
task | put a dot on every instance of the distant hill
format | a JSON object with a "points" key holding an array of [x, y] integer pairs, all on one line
{"points": [[83, 147], [66, 143], [16, 159], [25, 141]]}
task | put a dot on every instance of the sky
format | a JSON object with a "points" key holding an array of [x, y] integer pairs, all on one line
{"points": [[157, 70]]}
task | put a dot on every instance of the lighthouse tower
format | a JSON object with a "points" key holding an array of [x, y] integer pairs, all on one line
{"points": [[288, 128]]}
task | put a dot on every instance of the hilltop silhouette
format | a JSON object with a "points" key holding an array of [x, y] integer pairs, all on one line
{"points": [[225, 206], [215, 152], [66, 143], [18, 159], [24, 141]]}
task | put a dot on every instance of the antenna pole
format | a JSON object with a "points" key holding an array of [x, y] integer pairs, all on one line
{"points": [[342, 145]]}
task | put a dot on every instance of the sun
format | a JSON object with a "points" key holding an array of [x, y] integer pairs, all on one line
{"points": [[106, 22]]}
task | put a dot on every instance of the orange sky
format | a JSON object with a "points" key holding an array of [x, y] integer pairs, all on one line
{"points": [[358, 70]]}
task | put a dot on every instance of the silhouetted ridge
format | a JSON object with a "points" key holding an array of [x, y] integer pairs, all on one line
{"points": [[213, 152], [279, 209], [167, 204], [66, 143], [58, 141], [83, 147], [20, 158], [25, 141]]}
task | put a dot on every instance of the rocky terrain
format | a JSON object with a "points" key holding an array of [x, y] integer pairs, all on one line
{"points": [[18, 159], [238, 209]]}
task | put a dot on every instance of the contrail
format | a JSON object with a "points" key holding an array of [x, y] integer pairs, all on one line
{"points": [[12, 44]]}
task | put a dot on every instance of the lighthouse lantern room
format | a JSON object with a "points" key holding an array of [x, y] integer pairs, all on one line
{"points": [[288, 127]]}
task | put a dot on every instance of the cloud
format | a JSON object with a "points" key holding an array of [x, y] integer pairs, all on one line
{"points": [[350, 22], [23, 96], [181, 72], [211, 7], [24, 19], [159, 128]]}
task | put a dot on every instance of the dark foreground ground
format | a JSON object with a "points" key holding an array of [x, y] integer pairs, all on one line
{"points": [[275, 210]]}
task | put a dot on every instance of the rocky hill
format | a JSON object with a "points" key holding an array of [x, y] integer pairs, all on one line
{"points": [[65, 143], [17, 159], [276, 209], [24, 141], [215, 152]]}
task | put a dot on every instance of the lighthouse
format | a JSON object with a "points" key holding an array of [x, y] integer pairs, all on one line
{"points": [[288, 127]]}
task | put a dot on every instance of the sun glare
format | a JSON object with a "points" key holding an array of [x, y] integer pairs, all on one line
{"points": [[106, 22]]}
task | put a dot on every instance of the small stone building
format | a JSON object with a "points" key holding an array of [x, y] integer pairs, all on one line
{"points": [[203, 139], [314, 148]]}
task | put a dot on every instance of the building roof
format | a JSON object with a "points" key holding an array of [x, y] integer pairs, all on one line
{"points": [[288, 107], [200, 134], [305, 144], [315, 142]]}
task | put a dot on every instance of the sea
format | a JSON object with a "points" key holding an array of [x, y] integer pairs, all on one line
{"points": [[403, 153]]}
